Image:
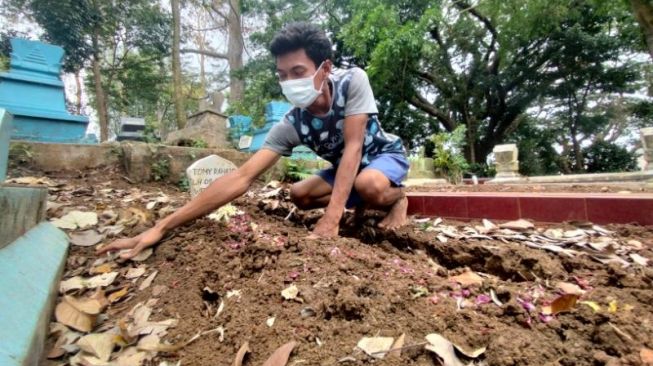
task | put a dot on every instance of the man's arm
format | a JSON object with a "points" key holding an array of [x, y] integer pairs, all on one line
{"points": [[222, 191], [354, 134]]}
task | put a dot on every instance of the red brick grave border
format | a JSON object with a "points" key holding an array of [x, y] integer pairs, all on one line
{"points": [[600, 208]]}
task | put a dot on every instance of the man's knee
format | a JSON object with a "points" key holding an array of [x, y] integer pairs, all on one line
{"points": [[370, 188], [300, 196]]}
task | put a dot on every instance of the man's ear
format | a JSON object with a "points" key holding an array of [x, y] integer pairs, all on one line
{"points": [[328, 67]]}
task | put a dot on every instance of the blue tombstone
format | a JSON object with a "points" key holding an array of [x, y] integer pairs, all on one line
{"points": [[32, 91], [238, 126], [274, 112]]}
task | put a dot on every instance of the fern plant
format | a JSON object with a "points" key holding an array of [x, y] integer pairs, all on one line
{"points": [[294, 170]]}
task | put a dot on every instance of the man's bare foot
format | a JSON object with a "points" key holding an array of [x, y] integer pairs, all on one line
{"points": [[397, 216]]}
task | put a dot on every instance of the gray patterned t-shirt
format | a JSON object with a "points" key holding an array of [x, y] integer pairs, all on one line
{"points": [[352, 94]]}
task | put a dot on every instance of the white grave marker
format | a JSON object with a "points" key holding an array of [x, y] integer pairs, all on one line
{"points": [[245, 142], [204, 171]]}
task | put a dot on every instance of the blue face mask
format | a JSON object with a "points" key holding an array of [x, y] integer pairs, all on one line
{"points": [[301, 92]]}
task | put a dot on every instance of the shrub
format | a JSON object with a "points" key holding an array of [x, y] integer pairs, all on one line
{"points": [[604, 157], [448, 159], [294, 170]]}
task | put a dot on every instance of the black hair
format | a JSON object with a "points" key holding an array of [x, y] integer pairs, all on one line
{"points": [[301, 35]]}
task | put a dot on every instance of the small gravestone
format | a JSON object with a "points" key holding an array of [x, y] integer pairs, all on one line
{"points": [[506, 160], [131, 128], [204, 171], [245, 142], [647, 146]]}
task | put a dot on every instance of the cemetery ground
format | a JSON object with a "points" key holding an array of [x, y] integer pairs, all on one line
{"points": [[245, 282]]}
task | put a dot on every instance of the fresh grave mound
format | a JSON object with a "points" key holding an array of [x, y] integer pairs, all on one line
{"points": [[441, 292]]}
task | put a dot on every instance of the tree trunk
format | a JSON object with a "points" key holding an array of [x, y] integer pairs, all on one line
{"points": [[78, 82], [100, 96], [235, 50], [178, 96], [644, 13], [578, 154]]}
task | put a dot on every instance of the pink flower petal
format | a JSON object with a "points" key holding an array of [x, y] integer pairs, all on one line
{"points": [[483, 299]]}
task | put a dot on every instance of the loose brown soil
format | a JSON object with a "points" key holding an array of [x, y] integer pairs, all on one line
{"points": [[363, 284]]}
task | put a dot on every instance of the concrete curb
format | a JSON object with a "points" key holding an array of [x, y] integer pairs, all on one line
{"points": [[599, 208], [30, 269]]}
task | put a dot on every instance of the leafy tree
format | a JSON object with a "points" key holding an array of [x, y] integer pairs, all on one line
{"points": [[537, 155], [481, 65], [605, 157], [594, 74]]}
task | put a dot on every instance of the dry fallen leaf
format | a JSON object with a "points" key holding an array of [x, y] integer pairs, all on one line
{"points": [[636, 244], [592, 304], [561, 304], [376, 347], [100, 345], [639, 259], [68, 315], [570, 288], [518, 225], [78, 282], [467, 278], [148, 281], [90, 305], [118, 295], [646, 355], [290, 292], [612, 306], [134, 273], [142, 256], [132, 357], [444, 349], [85, 238], [101, 269], [66, 339], [76, 219], [395, 350], [240, 355], [281, 355], [32, 181]]}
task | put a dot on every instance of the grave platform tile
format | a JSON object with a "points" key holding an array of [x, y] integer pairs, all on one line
{"points": [[30, 270]]}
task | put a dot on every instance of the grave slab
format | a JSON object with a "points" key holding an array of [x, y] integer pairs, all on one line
{"points": [[204, 171], [30, 269], [21, 208]]}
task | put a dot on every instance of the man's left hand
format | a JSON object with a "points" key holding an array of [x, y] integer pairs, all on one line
{"points": [[325, 228]]}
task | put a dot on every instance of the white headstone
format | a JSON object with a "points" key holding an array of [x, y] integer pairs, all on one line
{"points": [[506, 160], [204, 171], [245, 142], [647, 146]]}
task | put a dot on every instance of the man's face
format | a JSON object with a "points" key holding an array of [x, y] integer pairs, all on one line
{"points": [[297, 65]]}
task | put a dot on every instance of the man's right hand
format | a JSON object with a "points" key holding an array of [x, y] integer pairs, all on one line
{"points": [[136, 244]]}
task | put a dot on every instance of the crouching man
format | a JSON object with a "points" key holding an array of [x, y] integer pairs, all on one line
{"points": [[335, 115]]}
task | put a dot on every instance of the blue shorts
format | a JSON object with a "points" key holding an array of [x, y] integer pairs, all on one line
{"points": [[393, 166]]}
